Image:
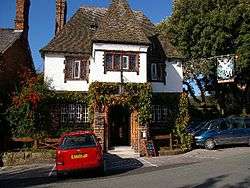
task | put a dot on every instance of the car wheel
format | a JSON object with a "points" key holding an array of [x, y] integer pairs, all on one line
{"points": [[100, 171], [60, 174], [209, 144]]}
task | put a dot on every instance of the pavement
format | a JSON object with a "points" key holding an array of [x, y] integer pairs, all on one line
{"points": [[198, 168]]}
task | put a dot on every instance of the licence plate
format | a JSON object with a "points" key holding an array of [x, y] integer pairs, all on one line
{"points": [[79, 156]]}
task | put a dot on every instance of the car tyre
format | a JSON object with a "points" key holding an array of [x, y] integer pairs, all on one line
{"points": [[209, 144], [60, 174], [100, 171]]}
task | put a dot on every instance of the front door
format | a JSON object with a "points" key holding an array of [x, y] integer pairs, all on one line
{"points": [[119, 126]]}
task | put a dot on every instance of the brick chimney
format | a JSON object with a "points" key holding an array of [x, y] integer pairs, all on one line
{"points": [[22, 16], [61, 14]]}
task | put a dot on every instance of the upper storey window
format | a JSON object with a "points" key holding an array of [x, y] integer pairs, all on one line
{"points": [[158, 73], [117, 61], [76, 68]]}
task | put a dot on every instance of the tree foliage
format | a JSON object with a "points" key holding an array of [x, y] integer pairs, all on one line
{"points": [[201, 29], [28, 113]]}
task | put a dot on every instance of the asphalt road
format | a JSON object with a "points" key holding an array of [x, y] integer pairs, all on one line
{"points": [[227, 168]]}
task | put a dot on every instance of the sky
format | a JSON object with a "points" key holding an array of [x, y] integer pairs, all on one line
{"points": [[42, 18]]}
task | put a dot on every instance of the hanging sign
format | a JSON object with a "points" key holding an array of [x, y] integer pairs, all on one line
{"points": [[225, 69]]}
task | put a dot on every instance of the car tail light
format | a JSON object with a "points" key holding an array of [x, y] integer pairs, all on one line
{"points": [[59, 159]]}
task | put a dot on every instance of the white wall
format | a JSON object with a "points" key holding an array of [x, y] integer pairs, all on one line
{"points": [[54, 72], [97, 64], [174, 79]]}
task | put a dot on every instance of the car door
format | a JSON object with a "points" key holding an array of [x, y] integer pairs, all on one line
{"points": [[224, 133], [239, 131]]}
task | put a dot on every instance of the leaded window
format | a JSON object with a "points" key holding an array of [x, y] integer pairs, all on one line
{"points": [[74, 113], [126, 61]]}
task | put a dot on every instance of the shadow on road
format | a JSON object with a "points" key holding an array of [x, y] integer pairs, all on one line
{"points": [[40, 176], [212, 181]]}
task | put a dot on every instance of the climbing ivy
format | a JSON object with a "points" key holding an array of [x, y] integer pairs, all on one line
{"points": [[182, 122], [136, 96]]}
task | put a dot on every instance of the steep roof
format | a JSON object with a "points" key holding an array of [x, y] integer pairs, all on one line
{"points": [[87, 25], [120, 25], [7, 38], [77, 35], [169, 50]]}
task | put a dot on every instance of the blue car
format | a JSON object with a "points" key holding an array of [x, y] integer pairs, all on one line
{"points": [[224, 131]]}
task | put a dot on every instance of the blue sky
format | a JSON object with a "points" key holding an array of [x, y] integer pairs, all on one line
{"points": [[42, 18]]}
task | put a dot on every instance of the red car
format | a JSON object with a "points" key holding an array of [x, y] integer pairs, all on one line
{"points": [[79, 151]]}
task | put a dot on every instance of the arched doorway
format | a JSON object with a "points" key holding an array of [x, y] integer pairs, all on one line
{"points": [[119, 126]]}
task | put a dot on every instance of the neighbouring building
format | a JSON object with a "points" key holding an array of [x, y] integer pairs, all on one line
{"points": [[112, 45], [15, 55]]}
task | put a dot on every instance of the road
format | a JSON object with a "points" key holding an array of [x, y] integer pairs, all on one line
{"points": [[227, 168]]}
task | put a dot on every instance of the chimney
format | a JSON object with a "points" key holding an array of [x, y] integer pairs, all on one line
{"points": [[61, 14], [22, 16]]}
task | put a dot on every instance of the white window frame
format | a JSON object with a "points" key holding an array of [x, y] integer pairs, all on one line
{"points": [[127, 62], [154, 74], [74, 113], [78, 62], [159, 113]]}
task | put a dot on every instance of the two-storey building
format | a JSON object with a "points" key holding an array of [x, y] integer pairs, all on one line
{"points": [[111, 45]]}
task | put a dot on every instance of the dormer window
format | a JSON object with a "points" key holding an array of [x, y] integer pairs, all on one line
{"points": [[117, 61]]}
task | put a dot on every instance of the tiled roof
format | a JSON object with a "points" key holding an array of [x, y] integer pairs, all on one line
{"points": [[169, 49], [120, 25], [7, 38], [77, 35]]}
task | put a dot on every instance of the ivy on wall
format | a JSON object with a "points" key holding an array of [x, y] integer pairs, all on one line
{"points": [[182, 122], [135, 96]]}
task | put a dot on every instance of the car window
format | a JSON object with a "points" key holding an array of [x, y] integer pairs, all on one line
{"points": [[71, 142], [213, 125], [224, 125], [237, 123]]}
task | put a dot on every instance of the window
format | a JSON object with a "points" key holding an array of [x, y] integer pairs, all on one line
{"points": [[74, 113], [161, 113], [115, 61], [76, 69], [158, 72], [125, 62], [154, 75]]}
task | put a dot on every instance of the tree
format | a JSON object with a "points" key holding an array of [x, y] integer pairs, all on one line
{"points": [[201, 29], [28, 108]]}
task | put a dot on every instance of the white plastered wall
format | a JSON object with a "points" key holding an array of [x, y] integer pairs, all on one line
{"points": [[174, 79], [97, 64], [54, 73]]}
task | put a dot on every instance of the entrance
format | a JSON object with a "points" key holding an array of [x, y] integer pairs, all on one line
{"points": [[119, 126]]}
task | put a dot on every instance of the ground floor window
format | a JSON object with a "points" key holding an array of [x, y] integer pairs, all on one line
{"points": [[160, 113], [74, 113]]}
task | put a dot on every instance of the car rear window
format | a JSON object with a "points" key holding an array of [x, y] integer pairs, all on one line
{"points": [[72, 142]]}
